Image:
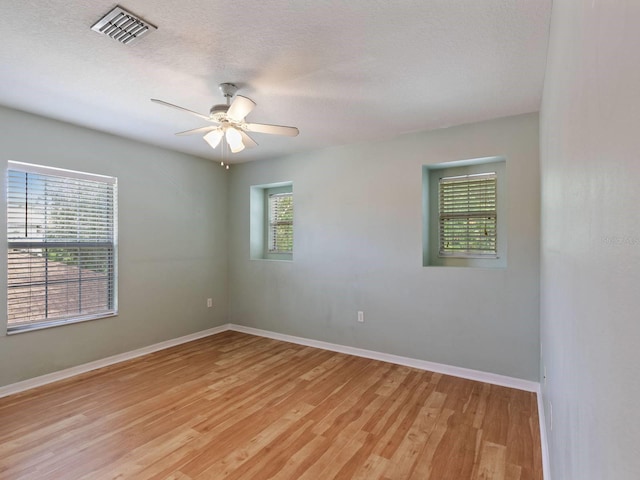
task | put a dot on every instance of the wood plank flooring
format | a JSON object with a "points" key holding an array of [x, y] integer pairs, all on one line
{"points": [[237, 406]]}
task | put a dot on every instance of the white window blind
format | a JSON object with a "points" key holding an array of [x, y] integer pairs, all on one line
{"points": [[61, 232], [280, 222], [467, 215]]}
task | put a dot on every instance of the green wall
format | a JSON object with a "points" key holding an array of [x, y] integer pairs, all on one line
{"points": [[172, 244], [590, 269], [184, 236], [358, 247]]}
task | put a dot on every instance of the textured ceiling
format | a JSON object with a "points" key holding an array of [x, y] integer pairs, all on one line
{"points": [[341, 71]]}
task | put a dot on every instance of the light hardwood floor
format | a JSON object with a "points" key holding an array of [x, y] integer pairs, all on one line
{"points": [[237, 406]]}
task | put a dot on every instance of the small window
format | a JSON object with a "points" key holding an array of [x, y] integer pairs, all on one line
{"points": [[467, 215], [271, 222], [464, 213], [280, 222], [61, 233]]}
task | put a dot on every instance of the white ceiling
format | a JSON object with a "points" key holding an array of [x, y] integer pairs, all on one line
{"points": [[342, 71]]}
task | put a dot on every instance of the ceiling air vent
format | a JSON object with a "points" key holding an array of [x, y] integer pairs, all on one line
{"points": [[122, 26]]}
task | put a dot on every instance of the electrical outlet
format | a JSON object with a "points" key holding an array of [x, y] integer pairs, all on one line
{"points": [[209, 302], [361, 317]]}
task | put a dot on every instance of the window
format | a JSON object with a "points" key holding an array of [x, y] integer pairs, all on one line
{"points": [[467, 215], [280, 222], [61, 233], [464, 220], [271, 221]]}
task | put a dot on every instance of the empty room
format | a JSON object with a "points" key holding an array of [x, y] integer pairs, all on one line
{"points": [[320, 240]]}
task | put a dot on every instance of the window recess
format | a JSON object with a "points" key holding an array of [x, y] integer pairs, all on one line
{"points": [[464, 219]]}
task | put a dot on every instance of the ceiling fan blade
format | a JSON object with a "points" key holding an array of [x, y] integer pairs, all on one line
{"points": [[272, 129], [167, 104], [197, 130], [247, 140], [240, 108]]}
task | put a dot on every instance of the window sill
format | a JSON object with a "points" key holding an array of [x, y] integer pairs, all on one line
{"points": [[16, 329], [283, 260], [476, 256], [475, 267]]}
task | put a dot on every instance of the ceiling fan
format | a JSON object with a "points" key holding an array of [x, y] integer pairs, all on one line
{"points": [[229, 120]]}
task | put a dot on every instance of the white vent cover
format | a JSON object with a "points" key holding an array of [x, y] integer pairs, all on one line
{"points": [[122, 26]]}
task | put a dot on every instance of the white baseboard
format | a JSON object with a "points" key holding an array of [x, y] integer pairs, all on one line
{"points": [[467, 373], [104, 362]]}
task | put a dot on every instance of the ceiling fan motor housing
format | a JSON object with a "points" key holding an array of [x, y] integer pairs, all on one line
{"points": [[219, 112]]}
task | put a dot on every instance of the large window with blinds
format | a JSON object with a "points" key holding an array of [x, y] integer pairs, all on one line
{"points": [[465, 221], [62, 246]]}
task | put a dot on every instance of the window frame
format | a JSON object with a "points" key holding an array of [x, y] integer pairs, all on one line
{"points": [[270, 254], [259, 221], [467, 215], [271, 241], [80, 246], [431, 215]]}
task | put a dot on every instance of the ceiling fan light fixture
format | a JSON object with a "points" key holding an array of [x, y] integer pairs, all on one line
{"points": [[234, 139], [236, 148], [213, 138]]}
